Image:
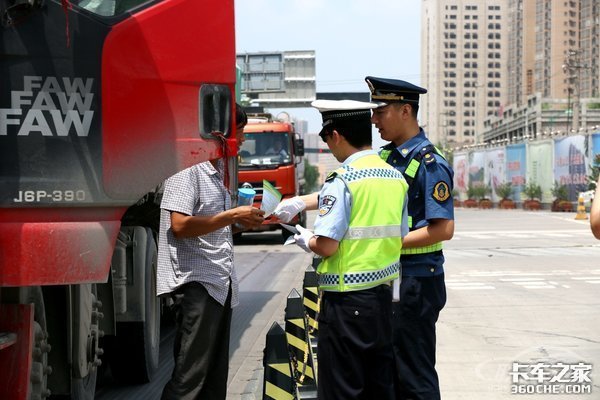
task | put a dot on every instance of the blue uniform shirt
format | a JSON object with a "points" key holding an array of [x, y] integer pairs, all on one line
{"points": [[335, 204], [429, 197]]}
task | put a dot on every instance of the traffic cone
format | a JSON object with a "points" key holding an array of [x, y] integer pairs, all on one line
{"points": [[581, 214]]}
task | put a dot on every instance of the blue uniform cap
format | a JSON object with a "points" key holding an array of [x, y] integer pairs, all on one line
{"points": [[393, 90]]}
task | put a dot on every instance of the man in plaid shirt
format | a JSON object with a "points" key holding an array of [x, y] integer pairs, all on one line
{"points": [[195, 266]]}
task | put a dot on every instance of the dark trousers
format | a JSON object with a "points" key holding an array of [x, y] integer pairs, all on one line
{"points": [[355, 345], [421, 300], [201, 348]]}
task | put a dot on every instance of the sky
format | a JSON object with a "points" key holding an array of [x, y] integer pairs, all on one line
{"points": [[351, 38]]}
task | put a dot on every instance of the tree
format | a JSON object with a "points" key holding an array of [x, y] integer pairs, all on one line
{"points": [[311, 175]]}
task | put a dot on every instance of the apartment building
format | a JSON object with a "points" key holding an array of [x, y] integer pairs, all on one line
{"points": [[554, 63], [463, 66]]}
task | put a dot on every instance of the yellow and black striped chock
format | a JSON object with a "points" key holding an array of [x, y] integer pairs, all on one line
{"points": [[298, 340], [311, 300], [279, 383]]}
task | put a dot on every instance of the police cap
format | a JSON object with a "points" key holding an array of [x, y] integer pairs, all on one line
{"points": [[385, 90], [337, 110]]}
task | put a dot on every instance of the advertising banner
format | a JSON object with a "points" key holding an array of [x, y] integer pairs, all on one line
{"points": [[570, 164], [516, 167], [461, 174], [476, 168], [595, 147], [495, 172], [539, 166]]}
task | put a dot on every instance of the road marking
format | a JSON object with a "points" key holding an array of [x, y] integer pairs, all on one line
{"points": [[533, 283], [521, 279], [469, 285], [535, 233], [583, 278], [539, 287]]}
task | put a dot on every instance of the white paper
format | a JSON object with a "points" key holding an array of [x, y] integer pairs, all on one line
{"points": [[270, 198]]}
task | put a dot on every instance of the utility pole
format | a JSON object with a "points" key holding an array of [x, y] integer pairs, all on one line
{"points": [[572, 68]]}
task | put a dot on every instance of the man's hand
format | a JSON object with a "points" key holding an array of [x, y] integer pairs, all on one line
{"points": [[248, 216], [303, 238], [288, 208]]}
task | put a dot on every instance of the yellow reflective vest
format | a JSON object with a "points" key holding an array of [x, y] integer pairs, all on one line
{"points": [[369, 253]]}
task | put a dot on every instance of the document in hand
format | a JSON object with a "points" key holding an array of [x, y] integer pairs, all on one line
{"points": [[290, 239], [270, 198]]}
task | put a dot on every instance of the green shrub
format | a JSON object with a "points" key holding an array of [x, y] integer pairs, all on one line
{"points": [[533, 191], [505, 190], [478, 191], [560, 192]]}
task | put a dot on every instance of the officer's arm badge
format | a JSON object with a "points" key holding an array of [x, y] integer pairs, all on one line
{"points": [[441, 192], [326, 204]]}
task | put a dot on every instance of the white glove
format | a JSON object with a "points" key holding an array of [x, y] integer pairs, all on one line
{"points": [[303, 238], [288, 208]]}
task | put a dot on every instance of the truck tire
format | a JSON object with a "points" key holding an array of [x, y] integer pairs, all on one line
{"points": [[285, 234], [86, 334], [134, 352], [237, 238]]}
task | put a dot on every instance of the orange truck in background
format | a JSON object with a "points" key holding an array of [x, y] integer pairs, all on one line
{"points": [[273, 152]]}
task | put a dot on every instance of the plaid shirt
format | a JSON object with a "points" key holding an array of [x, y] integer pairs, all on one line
{"points": [[208, 259]]}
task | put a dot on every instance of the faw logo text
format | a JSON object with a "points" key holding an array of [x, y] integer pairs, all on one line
{"points": [[49, 106]]}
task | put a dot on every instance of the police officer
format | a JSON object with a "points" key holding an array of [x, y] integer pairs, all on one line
{"points": [[431, 221], [358, 231]]}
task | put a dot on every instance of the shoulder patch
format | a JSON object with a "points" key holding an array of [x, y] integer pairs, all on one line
{"points": [[441, 192], [326, 204]]}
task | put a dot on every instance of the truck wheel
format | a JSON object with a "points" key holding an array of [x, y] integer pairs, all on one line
{"points": [[39, 356], [134, 357], [85, 341], [285, 234], [302, 219], [237, 238]]}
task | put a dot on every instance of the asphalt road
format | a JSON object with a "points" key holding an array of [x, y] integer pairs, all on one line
{"points": [[522, 288]]}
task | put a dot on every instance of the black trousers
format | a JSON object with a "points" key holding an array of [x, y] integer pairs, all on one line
{"points": [[421, 300], [201, 348], [355, 345]]}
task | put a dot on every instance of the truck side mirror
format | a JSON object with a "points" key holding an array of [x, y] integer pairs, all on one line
{"points": [[299, 147]]}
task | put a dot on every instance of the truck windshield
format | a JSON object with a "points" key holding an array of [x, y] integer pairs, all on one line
{"points": [[269, 149], [109, 8]]}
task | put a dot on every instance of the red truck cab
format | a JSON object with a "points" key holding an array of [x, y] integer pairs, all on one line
{"points": [[273, 152]]}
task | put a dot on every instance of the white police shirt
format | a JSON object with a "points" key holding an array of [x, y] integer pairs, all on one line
{"points": [[335, 205]]}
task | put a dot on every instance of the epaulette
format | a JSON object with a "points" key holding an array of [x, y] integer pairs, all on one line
{"points": [[427, 154], [331, 176]]}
